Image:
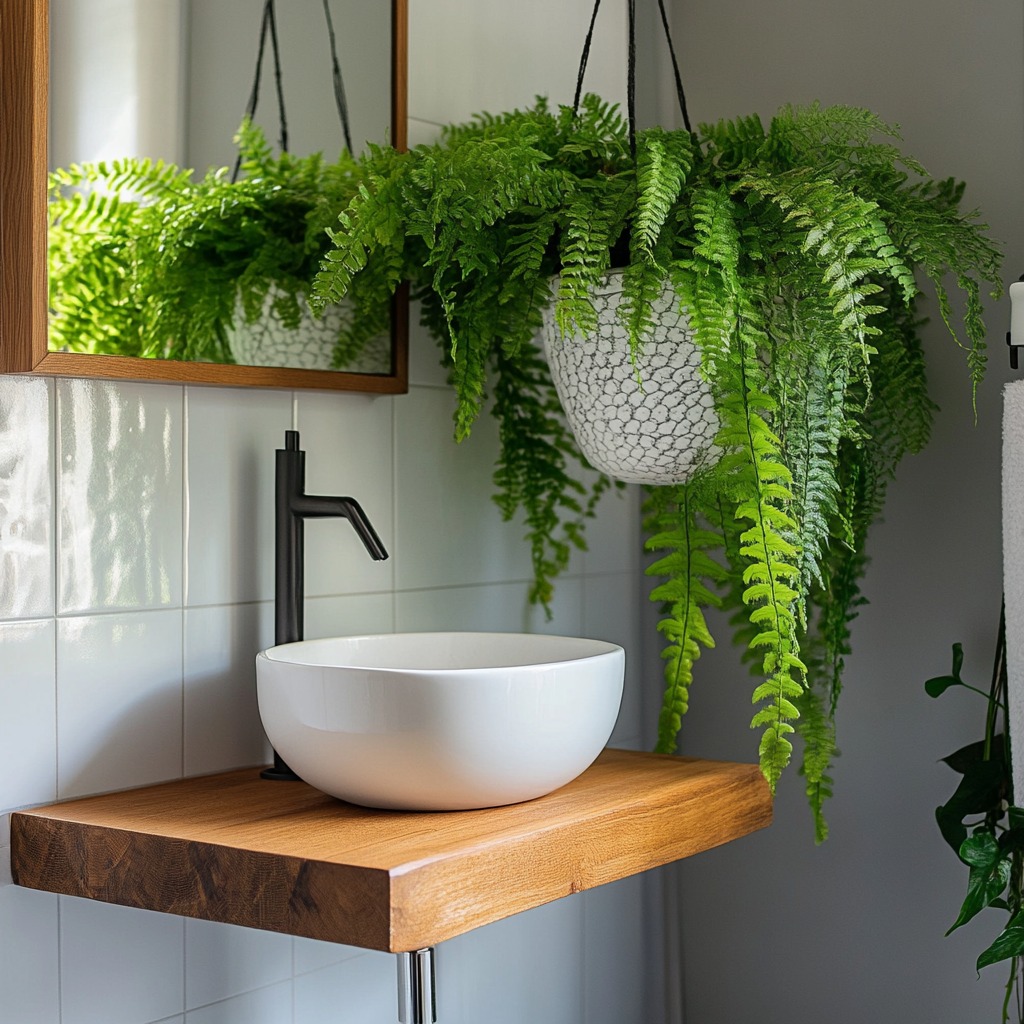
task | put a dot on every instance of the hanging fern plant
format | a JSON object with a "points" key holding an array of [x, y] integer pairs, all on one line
{"points": [[795, 251], [147, 260]]}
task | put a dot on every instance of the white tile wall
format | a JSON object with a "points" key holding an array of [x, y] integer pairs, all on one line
{"points": [[526, 968], [119, 701], [28, 722], [222, 961], [30, 964], [118, 965], [357, 990], [230, 439], [271, 1005], [136, 584], [221, 718], [349, 443], [26, 499], [118, 496]]}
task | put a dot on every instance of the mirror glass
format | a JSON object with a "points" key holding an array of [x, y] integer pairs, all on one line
{"points": [[171, 80]]}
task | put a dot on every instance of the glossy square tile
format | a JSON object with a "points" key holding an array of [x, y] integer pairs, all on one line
{"points": [[222, 721], [28, 723], [222, 960], [425, 367], [614, 538], [448, 530], [26, 497], [349, 616], [29, 966], [611, 611], [348, 445], [231, 437], [313, 955], [271, 1005], [118, 965], [119, 496], [422, 133], [501, 607], [359, 990], [119, 701], [540, 949]]}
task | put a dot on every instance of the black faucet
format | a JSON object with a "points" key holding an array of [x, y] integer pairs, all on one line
{"points": [[292, 506]]}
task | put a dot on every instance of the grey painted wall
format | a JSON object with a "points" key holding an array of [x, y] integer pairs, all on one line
{"points": [[857, 925]]}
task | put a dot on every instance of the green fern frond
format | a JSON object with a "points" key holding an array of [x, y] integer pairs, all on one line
{"points": [[663, 163], [672, 517], [532, 472], [816, 728]]}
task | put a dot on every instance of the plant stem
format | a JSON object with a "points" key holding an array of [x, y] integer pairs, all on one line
{"points": [[1011, 985], [997, 691]]}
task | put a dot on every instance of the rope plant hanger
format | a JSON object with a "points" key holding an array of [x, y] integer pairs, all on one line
{"points": [[268, 29], [631, 69]]}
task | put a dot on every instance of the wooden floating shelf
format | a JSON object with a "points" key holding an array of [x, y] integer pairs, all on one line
{"points": [[285, 857]]}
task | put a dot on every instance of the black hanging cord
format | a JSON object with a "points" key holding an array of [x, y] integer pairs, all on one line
{"points": [[631, 70], [584, 59], [680, 94], [268, 26], [339, 87], [277, 77], [631, 79]]}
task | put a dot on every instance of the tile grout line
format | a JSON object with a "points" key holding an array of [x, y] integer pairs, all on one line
{"points": [[185, 522], [394, 515], [57, 449]]}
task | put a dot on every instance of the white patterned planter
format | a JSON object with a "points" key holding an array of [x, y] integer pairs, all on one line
{"points": [[310, 346], [658, 431]]}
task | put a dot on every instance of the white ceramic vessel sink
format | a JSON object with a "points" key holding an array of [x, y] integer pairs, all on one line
{"points": [[440, 721]]}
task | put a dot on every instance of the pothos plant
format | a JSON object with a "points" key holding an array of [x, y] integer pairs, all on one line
{"points": [[984, 826], [146, 260], [794, 249]]}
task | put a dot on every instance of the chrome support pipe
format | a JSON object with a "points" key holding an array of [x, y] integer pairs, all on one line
{"points": [[416, 1001]]}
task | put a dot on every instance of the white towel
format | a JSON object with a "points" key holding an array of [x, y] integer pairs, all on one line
{"points": [[1013, 569]]}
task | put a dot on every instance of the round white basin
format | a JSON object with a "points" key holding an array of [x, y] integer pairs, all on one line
{"points": [[440, 721]]}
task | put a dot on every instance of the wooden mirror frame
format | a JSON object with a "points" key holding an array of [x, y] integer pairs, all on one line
{"points": [[24, 85]]}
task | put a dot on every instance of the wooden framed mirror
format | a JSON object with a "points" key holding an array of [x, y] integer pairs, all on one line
{"points": [[24, 345]]}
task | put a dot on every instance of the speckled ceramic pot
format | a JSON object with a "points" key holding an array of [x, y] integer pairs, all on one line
{"points": [[658, 431], [268, 342]]}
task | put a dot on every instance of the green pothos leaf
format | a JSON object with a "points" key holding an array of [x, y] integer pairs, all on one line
{"points": [[1008, 943], [989, 877]]}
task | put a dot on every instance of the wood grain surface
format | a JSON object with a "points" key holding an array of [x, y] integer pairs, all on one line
{"points": [[285, 857]]}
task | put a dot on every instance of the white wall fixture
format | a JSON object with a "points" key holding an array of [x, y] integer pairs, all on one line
{"points": [[652, 422], [1013, 564]]}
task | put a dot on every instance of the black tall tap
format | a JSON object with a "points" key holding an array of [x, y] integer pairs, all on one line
{"points": [[292, 508]]}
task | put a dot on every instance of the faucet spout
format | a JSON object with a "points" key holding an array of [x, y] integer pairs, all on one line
{"points": [[292, 508], [315, 506]]}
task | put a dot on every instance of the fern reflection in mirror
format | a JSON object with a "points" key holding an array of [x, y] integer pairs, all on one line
{"points": [[794, 251], [144, 260]]}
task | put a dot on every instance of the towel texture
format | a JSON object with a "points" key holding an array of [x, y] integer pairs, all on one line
{"points": [[1013, 569]]}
